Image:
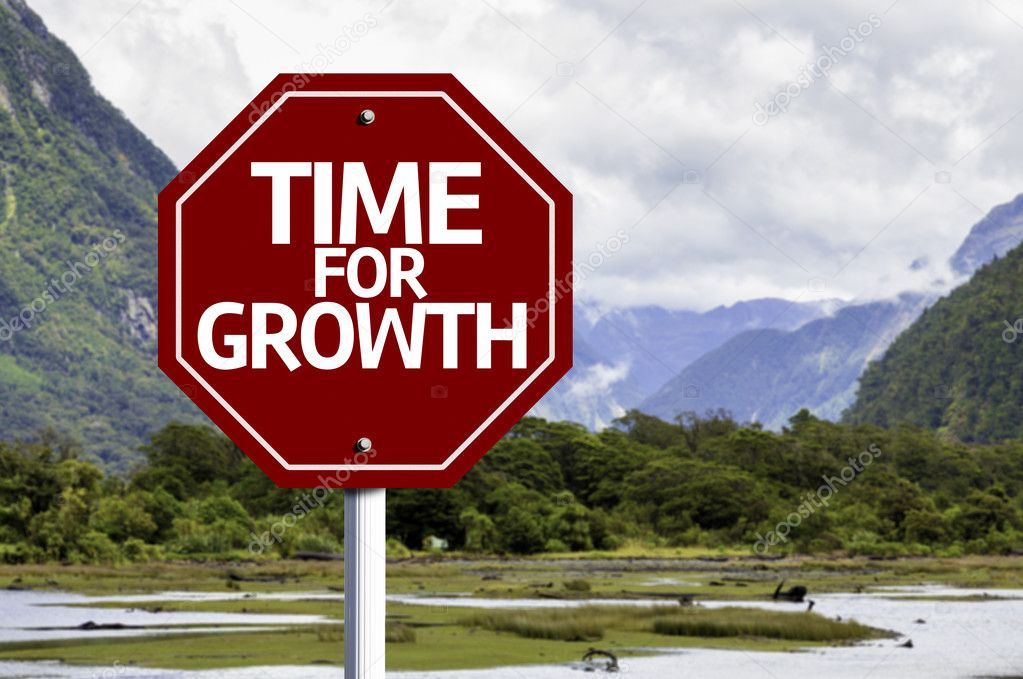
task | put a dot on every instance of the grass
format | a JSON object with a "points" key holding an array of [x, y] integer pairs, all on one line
{"points": [[492, 577], [419, 638], [744, 622], [573, 624], [431, 638], [400, 633], [592, 623]]}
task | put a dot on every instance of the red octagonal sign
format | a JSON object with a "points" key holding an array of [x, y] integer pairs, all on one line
{"points": [[365, 258]]}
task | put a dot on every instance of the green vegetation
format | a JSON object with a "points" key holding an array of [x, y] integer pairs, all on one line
{"points": [[702, 483], [440, 643], [742, 622], [659, 575], [78, 187], [440, 633], [591, 623], [956, 369], [425, 638]]}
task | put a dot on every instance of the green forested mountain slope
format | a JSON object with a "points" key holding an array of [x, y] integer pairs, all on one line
{"points": [[78, 187], [959, 366]]}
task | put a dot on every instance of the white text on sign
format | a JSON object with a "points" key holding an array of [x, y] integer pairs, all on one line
{"points": [[369, 273]]}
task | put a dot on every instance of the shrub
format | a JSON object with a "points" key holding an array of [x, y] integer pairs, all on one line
{"points": [[577, 585], [192, 537], [397, 550], [399, 633], [95, 547], [120, 519], [137, 551], [520, 532], [13, 554], [554, 545], [316, 542]]}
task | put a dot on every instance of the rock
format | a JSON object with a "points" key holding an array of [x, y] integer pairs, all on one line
{"points": [[91, 626], [138, 317]]}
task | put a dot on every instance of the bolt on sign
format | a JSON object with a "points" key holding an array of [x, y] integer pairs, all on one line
{"points": [[365, 258]]}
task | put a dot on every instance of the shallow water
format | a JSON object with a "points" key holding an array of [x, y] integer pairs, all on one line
{"points": [[27, 615], [956, 640]]}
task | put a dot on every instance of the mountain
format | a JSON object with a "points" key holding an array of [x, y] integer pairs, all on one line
{"points": [[78, 187], [622, 356], [996, 234], [959, 367], [767, 375]]}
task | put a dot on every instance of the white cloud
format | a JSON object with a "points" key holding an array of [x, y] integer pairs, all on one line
{"points": [[835, 183]]}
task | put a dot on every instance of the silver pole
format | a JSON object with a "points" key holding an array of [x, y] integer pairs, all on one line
{"points": [[365, 588]]}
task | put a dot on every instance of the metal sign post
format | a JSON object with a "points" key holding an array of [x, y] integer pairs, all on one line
{"points": [[365, 588]]}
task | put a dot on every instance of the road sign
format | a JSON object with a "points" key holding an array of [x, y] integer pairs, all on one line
{"points": [[365, 280]]}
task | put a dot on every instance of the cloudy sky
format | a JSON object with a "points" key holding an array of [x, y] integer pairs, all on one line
{"points": [[750, 148]]}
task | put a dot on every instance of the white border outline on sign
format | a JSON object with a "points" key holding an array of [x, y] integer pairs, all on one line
{"points": [[237, 416]]}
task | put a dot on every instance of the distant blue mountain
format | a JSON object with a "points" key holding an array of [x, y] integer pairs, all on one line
{"points": [[623, 356], [996, 234], [761, 359], [768, 375]]}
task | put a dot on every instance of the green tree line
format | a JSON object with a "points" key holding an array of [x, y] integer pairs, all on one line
{"points": [[815, 487]]}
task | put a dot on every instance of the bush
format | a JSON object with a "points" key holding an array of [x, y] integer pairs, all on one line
{"points": [[315, 542], [520, 532], [397, 550], [95, 547], [13, 555], [137, 551], [192, 537], [480, 532], [554, 545], [577, 585], [222, 508], [120, 519], [399, 633]]}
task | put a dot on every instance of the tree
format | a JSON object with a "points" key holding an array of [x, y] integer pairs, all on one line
{"points": [[183, 457], [412, 514], [525, 461], [120, 519], [649, 430], [984, 511], [570, 523], [520, 532], [480, 531]]}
